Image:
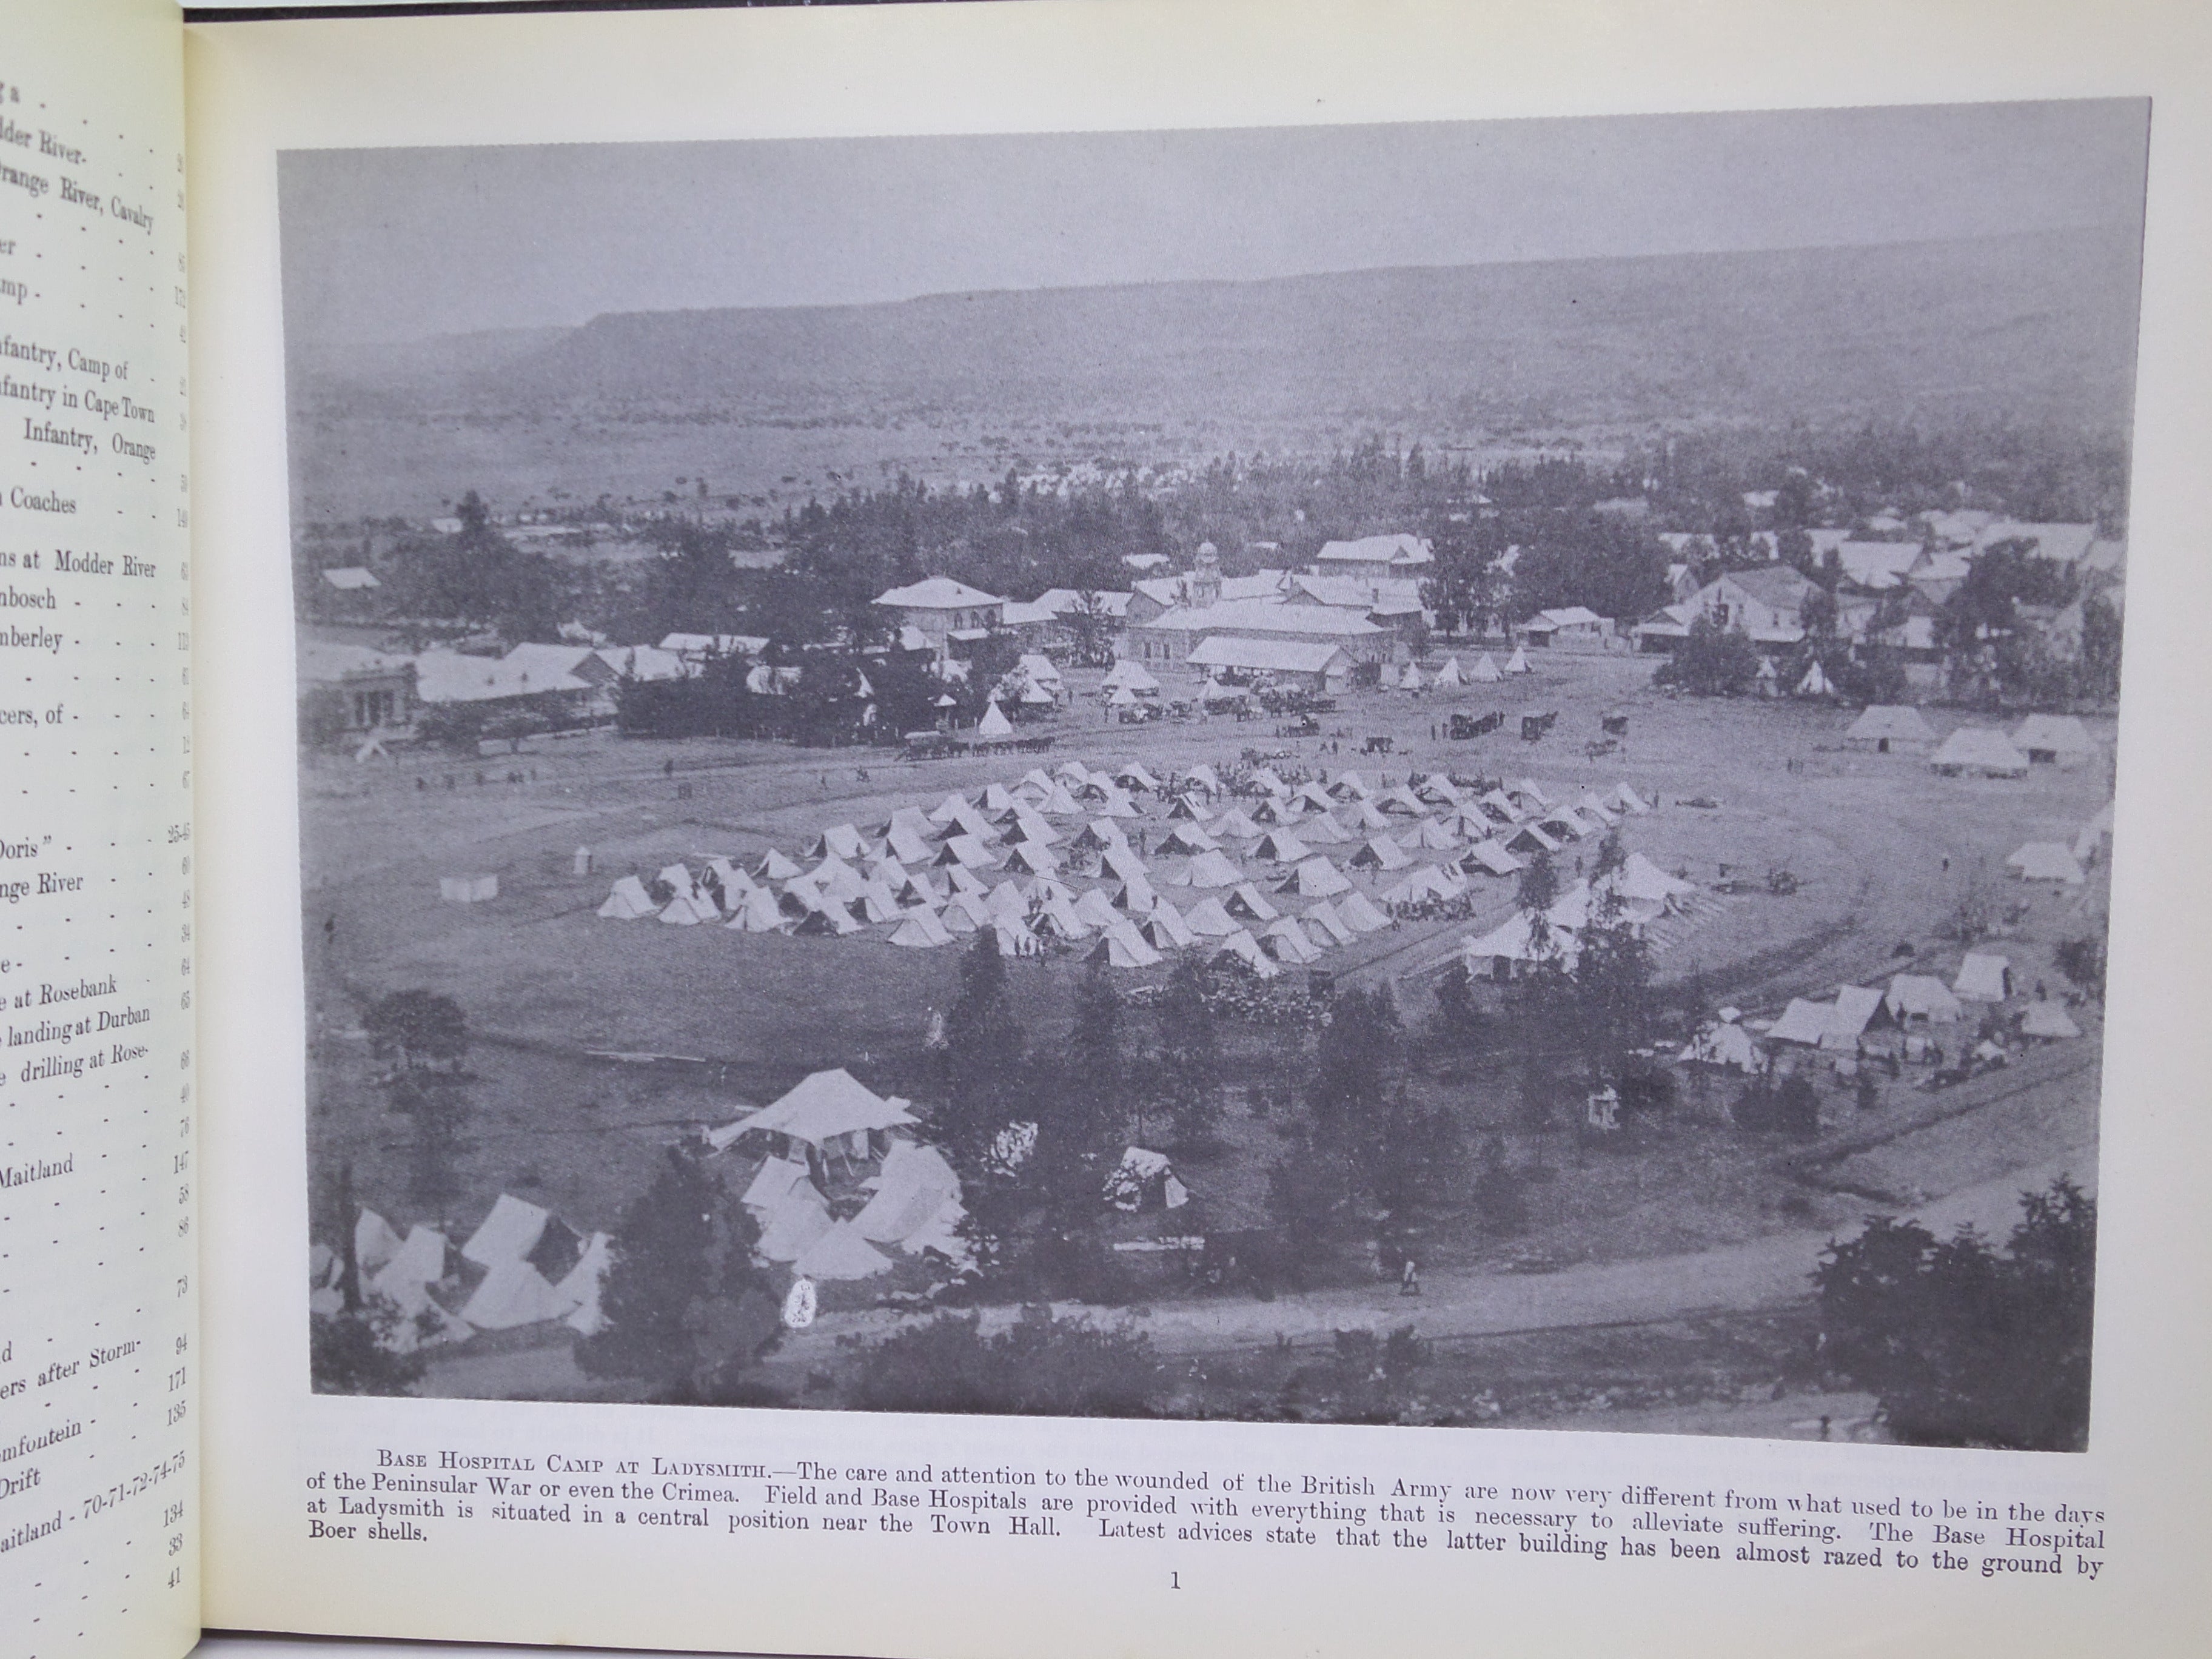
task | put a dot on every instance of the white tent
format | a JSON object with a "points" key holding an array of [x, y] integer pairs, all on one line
{"points": [[802, 1217], [840, 1253], [1450, 674], [1316, 877], [1626, 799], [1984, 976], [680, 878], [758, 913], [580, 1289], [1519, 662], [1248, 902], [508, 1233], [1206, 869], [1129, 675], [1980, 751], [1207, 920], [1485, 669], [2046, 861], [420, 1262], [1288, 943], [773, 867], [1187, 840], [1922, 997], [1325, 926], [1240, 947], [1725, 1043], [375, 1243], [1360, 913], [827, 1105], [1322, 830], [1490, 858], [841, 840], [628, 902], [994, 724], [920, 931], [2049, 1021], [1411, 679], [2054, 740], [1137, 896], [1164, 928], [1123, 946], [1281, 847], [1349, 786], [513, 1293], [1379, 853], [1815, 683], [830, 918], [1428, 834], [690, 909]]}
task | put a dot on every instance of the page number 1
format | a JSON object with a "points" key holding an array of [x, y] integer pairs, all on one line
{"points": [[1175, 1580]]}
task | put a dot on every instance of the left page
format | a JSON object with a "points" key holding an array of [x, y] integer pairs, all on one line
{"points": [[99, 1542]]}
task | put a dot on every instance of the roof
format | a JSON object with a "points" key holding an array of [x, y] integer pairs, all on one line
{"points": [[1062, 600], [1895, 722], [1877, 564], [715, 645], [351, 579], [937, 593], [1397, 549], [1573, 616], [1981, 747], [828, 1104], [324, 662], [1017, 613], [1780, 587], [1391, 596], [2064, 542], [2061, 733], [449, 676], [1266, 616], [1278, 656]]}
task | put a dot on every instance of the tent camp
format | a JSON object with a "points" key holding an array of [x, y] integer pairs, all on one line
{"points": [[1640, 879], [1983, 977], [1136, 897], [1531, 840], [1349, 786], [1449, 675], [839, 841], [994, 725], [1815, 683], [1426, 883], [507, 1234], [513, 1293], [1272, 812], [1486, 670], [1280, 846], [1626, 799], [2046, 861], [1429, 834], [628, 902], [830, 918], [1130, 675], [1234, 825], [1514, 943], [1322, 830], [1188, 808], [1145, 1180], [1316, 877], [802, 1217], [1094, 907], [1186, 840], [1979, 751], [1518, 663], [2059, 740], [2048, 1021]]}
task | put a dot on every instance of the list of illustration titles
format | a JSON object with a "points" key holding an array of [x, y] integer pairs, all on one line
{"points": [[396, 1496], [97, 1110]]}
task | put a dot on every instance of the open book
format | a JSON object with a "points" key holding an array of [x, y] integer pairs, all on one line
{"points": [[1091, 829]]}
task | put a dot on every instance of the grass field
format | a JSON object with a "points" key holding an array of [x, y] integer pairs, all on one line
{"points": [[1880, 847]]}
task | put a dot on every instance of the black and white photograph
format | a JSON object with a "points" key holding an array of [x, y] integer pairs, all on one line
{"points": [[1438, 773]]}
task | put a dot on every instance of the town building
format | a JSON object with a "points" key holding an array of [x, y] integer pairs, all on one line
{"points": [[945, 612], [1306, 665], [1376, 558]]}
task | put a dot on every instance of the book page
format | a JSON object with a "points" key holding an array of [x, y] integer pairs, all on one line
{"points": [[1284, 843], [99, 1366]]}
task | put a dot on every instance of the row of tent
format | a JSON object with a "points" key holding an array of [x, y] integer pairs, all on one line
{"points": [[1486, 672], [2060, 740], [1912, 1002], [535, 1269]]}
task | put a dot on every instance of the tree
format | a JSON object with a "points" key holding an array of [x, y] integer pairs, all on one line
{"points": [[981, 1060], [1187, 1064], [1964, 1345], [1042, 1365], [686, 1308], [417, 1027], [1459, 1021], [1613, 1000], [1084, 1120], [1712, 662], [349, 1352]]}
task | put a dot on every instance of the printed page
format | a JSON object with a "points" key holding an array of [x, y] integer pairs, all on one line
{"points": [[1315, 839], [98, 1360]]}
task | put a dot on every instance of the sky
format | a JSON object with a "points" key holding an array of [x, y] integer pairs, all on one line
{"points": [[392, 245]]}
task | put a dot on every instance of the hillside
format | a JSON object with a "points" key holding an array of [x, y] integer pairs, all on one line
{"points": [[2032, 327]]}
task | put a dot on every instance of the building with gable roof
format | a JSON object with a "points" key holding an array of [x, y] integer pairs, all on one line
{"points": [[944, 611]]}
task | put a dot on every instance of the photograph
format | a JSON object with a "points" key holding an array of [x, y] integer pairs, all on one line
{"points": [[1444, 774]]}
